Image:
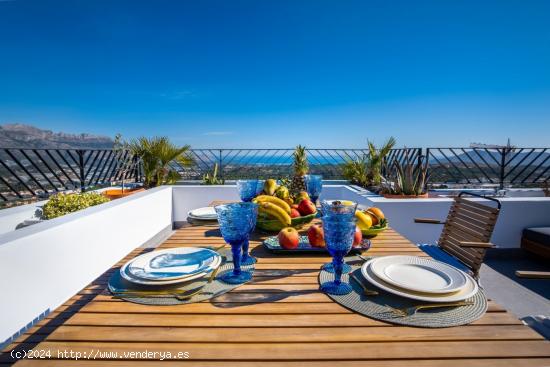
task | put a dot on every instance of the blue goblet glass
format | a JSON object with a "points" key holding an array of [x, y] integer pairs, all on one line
{"points": [[246, 259], [247, 189], [338, 239], [339, 210], [314, 185], [235, 221]]}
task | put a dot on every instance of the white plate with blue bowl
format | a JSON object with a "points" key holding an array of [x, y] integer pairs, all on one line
{"points": [[170, 266]]}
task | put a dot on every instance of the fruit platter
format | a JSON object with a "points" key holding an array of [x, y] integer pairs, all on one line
{"points": [[371, 221], [278, 208], [290, 241]]}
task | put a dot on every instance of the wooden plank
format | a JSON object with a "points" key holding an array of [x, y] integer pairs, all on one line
{"points": [[466, 362], [320, 351], [285, 334]]}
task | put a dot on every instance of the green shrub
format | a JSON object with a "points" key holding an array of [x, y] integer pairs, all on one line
{"points": [[62, 204]]}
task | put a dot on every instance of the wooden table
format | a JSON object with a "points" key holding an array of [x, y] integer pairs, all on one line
{"points": [[279, 318]]}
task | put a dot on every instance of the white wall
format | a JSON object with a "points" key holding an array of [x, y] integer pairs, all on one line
{"points": [[188, 197], [516, 214], [10, 218], [43, 265]]}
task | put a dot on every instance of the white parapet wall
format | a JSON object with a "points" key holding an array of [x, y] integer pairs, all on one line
{"points": [[516, 214], [43, 265]]}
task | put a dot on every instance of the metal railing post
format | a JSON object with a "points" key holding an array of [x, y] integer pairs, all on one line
{"points": [[502, 168], [81, 170], [220, 167]]}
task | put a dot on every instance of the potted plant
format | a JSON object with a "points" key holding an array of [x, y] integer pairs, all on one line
{"points": [[156, 154], [367, 171], [406, 180]]}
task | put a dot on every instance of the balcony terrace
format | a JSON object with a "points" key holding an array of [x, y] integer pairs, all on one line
{"points": [[55, 274]]}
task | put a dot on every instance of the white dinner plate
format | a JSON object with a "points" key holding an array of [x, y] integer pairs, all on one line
{"points": [[170, 266], [419, 274], [467, 291], [206, 213]]}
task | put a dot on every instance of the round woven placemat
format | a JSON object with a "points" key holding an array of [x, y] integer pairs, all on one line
{"points": [[209, 290], [380, 307]]}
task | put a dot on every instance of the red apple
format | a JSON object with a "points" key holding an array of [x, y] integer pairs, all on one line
{"points": [[357, 237], [306, 207], [289, 238], [294, 213], [294, 206], [316, 235]]}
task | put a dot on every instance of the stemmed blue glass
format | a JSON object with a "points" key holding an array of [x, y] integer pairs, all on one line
{"points": [[236, 222], [247, 189], [339, 239], [343, 211], [314, 185]]}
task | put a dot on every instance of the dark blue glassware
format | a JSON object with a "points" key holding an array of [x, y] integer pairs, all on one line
{"points": [[236, 222], [247, 189], [339, 210], [314, 184], [246, 259], [338, 239]]}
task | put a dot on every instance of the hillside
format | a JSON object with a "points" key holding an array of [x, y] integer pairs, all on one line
{"points": [[27, 136]]}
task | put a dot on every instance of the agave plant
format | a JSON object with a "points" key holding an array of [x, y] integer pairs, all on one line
{"points": [[156, 154], [407, 177], [212, 178]]}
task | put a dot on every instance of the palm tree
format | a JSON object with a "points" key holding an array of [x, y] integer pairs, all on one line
{"points": [[156, 154]]}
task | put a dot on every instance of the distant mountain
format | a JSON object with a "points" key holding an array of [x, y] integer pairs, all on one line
{"points": [[491, 157], [27, 136]]}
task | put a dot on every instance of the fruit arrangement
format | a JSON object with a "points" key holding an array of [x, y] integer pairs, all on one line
{"points": [[278, 209], [371, 221]]}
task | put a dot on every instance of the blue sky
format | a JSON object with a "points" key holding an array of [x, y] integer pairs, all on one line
{"points": [[264, 73]]}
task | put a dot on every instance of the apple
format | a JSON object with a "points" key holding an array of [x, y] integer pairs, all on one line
{"points": [[289, 238], [316, 236], [294, 213], [306, 207], [294, 206], [357, 237]]}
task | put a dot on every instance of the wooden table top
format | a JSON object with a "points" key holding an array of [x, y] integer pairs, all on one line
{"points": [[280, 318]]}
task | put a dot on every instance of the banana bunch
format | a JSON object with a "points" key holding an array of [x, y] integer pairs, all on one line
{"points": [[274, 207]]}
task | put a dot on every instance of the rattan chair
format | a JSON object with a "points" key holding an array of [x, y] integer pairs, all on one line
{"points": [[466, 233]]}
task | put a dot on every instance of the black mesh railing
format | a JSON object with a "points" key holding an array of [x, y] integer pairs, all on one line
{"points": [[500, 166], [30, 173]]}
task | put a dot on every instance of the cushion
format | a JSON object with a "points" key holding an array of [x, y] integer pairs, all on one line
{"points": [[538, 234], [438, 254]]}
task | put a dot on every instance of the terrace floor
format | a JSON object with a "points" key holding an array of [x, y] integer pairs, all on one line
{"points": [[279, 318]]}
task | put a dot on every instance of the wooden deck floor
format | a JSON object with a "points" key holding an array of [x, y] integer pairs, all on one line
{"points": [[280, 318]]}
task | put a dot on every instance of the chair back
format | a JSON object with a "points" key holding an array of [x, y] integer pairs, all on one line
{"points": [[469, 221]]}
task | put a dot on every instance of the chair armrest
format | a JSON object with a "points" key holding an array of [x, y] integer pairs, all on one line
{"points": [[477, 244], [533, 274], [428, 221]]}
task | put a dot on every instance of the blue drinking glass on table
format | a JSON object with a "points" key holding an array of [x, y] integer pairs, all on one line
{"points": [[247, 189], [236, 222], [338, 239], [246, 259], [339, 210], [314, 184]]}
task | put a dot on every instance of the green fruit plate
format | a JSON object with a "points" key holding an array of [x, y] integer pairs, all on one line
{"points": [[374, 231], [273, 225]]}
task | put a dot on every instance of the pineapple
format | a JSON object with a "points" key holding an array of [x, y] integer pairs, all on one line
{"points": [[300, 170]]}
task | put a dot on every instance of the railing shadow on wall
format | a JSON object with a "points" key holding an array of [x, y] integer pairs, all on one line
{"points": [[37, 173]]}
